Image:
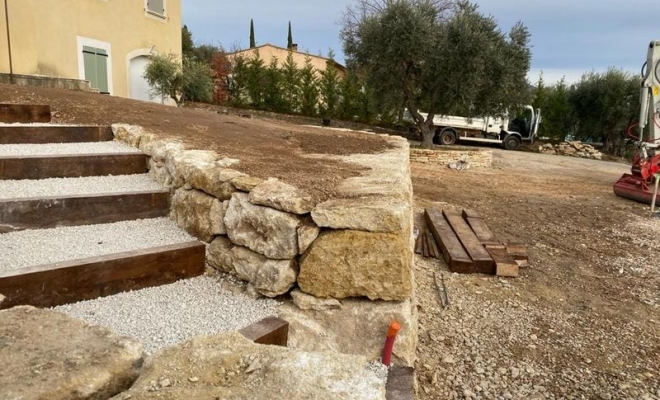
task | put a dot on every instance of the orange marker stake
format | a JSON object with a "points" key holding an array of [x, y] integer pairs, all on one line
{"points": [[389, 342]]}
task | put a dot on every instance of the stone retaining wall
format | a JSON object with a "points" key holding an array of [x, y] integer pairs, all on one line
{"points": [[475, 158], [45, 81], [272, 235]]}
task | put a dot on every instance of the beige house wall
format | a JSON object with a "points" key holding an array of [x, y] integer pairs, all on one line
{"points": [[267, 52], [47, 36]]}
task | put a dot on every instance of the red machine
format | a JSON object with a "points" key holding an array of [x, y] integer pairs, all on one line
{"points": [[643, 181]]}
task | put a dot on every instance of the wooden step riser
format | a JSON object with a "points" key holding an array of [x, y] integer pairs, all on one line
{"points": [[54, 134], [68, 282], [72, 166], [24, 113], [39, 213]]}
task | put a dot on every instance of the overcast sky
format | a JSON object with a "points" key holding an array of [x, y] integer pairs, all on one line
{"points": [[569, 37]]}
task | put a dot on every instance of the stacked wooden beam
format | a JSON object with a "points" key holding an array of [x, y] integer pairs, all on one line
{"points": [[468, 245]]}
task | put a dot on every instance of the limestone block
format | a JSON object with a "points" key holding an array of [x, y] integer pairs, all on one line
{"points": [[269, 277], [348, 263], [129, 134], [48, 355], [218, 255], [198, 213], [358, 327], [159, 172], [162, 150], [212, 179], [269, 232], [305, 301], [369, 214], [307, 233], [281, 196], [184, 163], [229, 366], [245, 183]]}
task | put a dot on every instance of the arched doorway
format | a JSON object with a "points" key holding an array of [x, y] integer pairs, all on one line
{"points": [[139, 88]]}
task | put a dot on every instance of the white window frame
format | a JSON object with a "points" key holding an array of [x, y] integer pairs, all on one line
{"points": [[150, 13], [83, 41]]}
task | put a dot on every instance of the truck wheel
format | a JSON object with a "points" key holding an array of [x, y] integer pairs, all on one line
{"points": [[511, 142], [447, 137]]}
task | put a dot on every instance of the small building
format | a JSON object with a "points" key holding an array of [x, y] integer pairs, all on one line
{"points": [[107, 43], [268, 51]]}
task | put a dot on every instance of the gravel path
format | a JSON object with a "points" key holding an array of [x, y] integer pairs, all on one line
{"points": [[166, 315], [42, 246], [55, 187], [24, 150]]}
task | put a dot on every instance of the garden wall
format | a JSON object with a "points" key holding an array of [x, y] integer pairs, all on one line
{"points": [[477, 158]]}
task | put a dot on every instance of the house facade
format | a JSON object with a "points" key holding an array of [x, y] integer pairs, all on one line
{"points": [[106, 42], [268, 51]]}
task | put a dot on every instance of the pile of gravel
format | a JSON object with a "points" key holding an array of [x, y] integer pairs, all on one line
{"points": [[58, 187], [43, 246], [49, 149], [166, 315]]}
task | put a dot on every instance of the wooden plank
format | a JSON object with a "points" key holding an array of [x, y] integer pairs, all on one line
{"points": [[71, 281], [433, 247], [54, 134], [400, 383], [481, 229], [495, 246], [419, 243], [517, 250], [452, 251], [49, 212], [270, 330], [24, 113], [72, 166], [483, 263], [469, 213], [505, 265], [425, 246]]}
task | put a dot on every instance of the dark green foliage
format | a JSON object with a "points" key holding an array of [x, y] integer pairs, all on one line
{"points": [[290, 86], [349, 88], [253, 43], [167, 77], [289, 39], [329, 90], [187, 43], [197, 81], [308, 89], [254, 79], [272, 87]]}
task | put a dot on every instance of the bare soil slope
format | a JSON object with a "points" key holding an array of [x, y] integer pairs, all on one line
{"points": [[266, 147]]}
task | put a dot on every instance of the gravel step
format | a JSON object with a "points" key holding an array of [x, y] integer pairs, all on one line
{"points": [[166, 315], [60, 187], [51, 149], [43, 246]]}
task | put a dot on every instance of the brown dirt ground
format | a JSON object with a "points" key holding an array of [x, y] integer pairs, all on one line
{"points": [[595, 261], [266, 147]]}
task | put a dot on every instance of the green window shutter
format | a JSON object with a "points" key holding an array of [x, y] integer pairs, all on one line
{"points": [[96, 68]]}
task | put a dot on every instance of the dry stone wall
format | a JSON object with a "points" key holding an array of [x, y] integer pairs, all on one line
{"points": [[474, 158], [272, 235]]}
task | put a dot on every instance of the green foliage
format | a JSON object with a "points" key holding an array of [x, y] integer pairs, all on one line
{"points": [[205, 53], [540, 93], [349, 89], [197, 80], [418, 54], [557, 112], [238, 89], [187, 43], [309, 91], [604, 104], [164, 75], [290, 86], [289, 39], [272, 87], [329, 90], [253, 43]]}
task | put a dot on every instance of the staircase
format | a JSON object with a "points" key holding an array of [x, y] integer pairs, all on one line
{"points": [[80, 218]]}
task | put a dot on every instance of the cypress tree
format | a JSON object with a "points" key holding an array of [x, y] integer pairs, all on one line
{"points": [[253, 44], [289, 40]]}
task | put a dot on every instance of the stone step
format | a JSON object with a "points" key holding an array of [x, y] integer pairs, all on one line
{"points": [[24, 113], [45, 133], [49, 267]]}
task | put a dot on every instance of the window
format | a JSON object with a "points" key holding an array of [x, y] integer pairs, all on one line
{"points": [[156, 7], [96, 68]]}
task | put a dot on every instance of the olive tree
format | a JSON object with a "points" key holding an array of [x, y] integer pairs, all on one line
{"points": [[438, 57]]}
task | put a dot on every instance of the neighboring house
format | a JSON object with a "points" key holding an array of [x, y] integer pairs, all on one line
{"points": [[267, 52], [106, 42]]}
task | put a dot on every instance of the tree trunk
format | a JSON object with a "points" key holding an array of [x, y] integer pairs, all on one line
{"points": [[427, 135]]}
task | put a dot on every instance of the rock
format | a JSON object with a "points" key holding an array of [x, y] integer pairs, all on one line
{"points": [[307, 233], [214, 181], [281, 196], [129, 134], [375, 265], [245, 183], [2, 299], [218, 255], [183, 163], [267, 231], [221, 364], [307, 302], [271, 278], [358, 327], [515, 372], [48, 355], [199, 214], [371, 214]]}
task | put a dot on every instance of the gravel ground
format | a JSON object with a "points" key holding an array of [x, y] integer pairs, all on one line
{"points": [[167, 315], [56, 187], [25, 150], [43, 246]]}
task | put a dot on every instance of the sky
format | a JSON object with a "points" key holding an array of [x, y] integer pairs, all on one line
{"points": [[569, 37]]}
